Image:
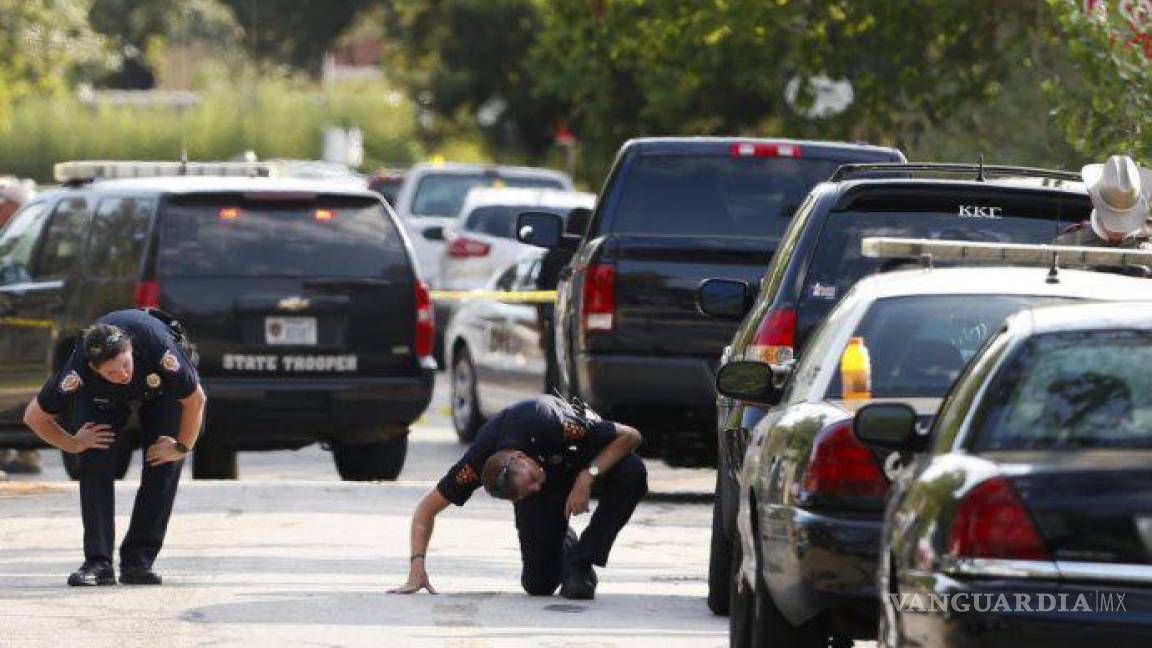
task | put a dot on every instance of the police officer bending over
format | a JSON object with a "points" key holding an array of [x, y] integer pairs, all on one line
{"points": [[544, 454], [127, 359]]}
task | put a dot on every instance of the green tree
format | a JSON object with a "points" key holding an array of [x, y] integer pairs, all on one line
{"points": [[294, 33]]}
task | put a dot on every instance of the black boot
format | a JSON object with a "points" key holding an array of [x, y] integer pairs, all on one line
{"points": [[91, 574], [139, 576], [578, 580]]}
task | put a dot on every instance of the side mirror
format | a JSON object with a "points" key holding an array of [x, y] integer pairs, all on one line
{"points": [[750, 381], [889, 425], [538, 228], [576, 223], [724, 299], [434, 233]]}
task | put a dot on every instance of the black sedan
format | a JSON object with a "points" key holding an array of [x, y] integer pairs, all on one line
{"points": [[1028, 520]]}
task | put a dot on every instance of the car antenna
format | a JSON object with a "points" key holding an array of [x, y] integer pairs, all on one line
{"points": [[1053, 268], [980, 169]]}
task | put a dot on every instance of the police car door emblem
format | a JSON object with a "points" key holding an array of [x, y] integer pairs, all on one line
{"points": [[153, 381], [71, 382], [169, 362]]}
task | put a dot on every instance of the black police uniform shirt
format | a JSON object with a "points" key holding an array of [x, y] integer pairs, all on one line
{"points": [[546, 428], [160, 368]]}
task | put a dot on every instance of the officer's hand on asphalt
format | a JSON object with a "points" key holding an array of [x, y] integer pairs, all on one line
{"points": [[417, 580], [163, 451], [579, 497], [93, 435]]}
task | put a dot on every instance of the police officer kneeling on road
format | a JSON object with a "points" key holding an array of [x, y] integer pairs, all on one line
{"points": [[544, 454], [127, 359]]}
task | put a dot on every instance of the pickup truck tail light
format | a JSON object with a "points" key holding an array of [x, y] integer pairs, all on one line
{"points": [[463, 247], [599, 298], [764, 149], [991, 522], [841, 466], [425, 321], [775, 337], [148, 294]]}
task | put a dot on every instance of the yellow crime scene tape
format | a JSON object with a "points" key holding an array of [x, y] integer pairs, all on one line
{"points": [[24, 322], [514, 296]]}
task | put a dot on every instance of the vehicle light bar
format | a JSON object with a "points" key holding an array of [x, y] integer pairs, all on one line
{"points": [[1007, 253], [89, 170]]}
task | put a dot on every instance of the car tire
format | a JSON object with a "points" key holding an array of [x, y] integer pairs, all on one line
{"points": [[214, 462], [72, 462], [740, 601], [464, 401], [720, 553], [380, 460]]}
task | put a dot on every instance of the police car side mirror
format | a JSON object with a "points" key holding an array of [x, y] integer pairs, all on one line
{"points": [[746, 380], [724, 299], [889, 425], [539, 229], [434, 233]]}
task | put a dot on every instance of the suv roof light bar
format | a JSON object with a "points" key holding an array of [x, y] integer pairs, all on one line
{"points": [[979, 172], [81, 171], [1008, 253]]}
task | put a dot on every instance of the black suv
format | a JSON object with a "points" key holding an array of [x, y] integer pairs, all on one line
{"points": [[309, 320], [820, 258], [673, 212]]}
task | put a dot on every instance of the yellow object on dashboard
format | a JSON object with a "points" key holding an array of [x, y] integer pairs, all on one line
{"points": [[855, 371]]}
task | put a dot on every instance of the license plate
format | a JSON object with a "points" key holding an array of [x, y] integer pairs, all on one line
{"points": [[290, 330]]}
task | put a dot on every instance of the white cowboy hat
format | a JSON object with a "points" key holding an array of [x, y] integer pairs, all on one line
{"points": [[1118, 200]]}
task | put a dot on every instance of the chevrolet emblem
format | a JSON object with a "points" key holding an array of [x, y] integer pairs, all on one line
{"points": [[294, 304]]}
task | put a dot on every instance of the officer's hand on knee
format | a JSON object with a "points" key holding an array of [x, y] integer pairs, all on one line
{"points": [[93, 435], [163, 451]]}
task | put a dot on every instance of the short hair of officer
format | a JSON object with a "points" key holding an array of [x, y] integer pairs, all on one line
{"points": [[108, 349], [511, 475]]}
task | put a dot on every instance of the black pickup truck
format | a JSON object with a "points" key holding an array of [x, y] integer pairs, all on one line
{"points": [[673, 212]]}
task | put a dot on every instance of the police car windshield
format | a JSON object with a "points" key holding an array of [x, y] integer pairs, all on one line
{"points": [[683, 195], [231, 237], [442, 194], [1065, 391], [917, 345]]}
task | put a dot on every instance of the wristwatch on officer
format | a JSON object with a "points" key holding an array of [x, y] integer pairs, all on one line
{"points": [[594, 470], [182, 449]]}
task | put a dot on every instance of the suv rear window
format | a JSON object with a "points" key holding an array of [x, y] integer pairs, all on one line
{"points": [[234, 237], [715, 196], [442, 194]]}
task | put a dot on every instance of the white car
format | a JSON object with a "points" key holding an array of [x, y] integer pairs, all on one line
{"points": [[483, 239], [432, 195]]}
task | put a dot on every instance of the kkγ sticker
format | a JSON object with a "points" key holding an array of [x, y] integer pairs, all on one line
{"points": [[153, 380], [169, 363], [824, 292], [71, 382]]}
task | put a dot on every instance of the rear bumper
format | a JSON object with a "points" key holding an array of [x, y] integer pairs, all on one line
{"points": [[261, 413], [823, 564], [608, 381], [1117, 616]]}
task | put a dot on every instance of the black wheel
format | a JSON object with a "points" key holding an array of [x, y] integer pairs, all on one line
{"points": [[720, 551], [381, 460], [72, 463], [770, 629], [739, 601], [466, 416], [214, 462]]}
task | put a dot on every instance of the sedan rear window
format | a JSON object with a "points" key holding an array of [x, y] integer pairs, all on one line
{"points": [[442, 194], [684, 195], [233, 237], [1070, 391], [500, 220]]}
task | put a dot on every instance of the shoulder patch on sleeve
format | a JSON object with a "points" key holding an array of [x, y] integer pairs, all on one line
{"points": [[574, 430], [71, 382], [169, 363], [465, 476]]}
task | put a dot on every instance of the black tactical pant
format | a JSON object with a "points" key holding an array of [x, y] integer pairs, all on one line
{"points": [[542, 526], [153, 507]]}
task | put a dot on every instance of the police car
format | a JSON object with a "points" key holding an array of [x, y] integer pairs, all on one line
{"points": [[812, 497], [301, 296]]}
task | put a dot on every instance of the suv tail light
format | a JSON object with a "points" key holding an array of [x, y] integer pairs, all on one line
{"points": [[148, 294], [763, 149], [463, 247], [599, 298], [991, 522], [425, 321], [775, 337], [839, 465]]}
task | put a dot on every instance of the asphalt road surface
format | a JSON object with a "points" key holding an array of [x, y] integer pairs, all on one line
{"points": [[289, 555]]}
